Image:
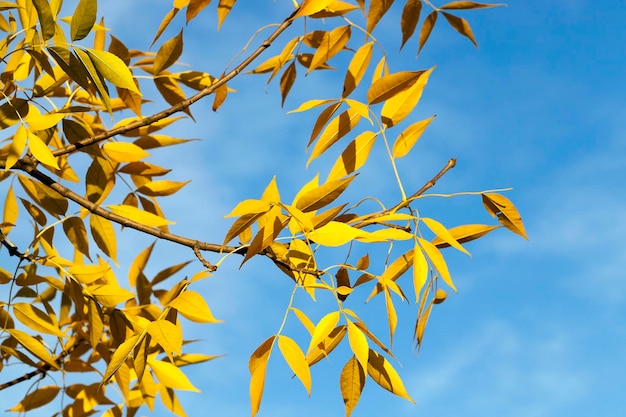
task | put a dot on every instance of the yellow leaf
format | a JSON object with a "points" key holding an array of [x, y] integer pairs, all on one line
{"points": [[223, 9], [119, 357], [335, 234], [385, 235], [161, 188], [358, 344], [193, 7], [437, 260], [443, 233], [110, 295], [257, 366], [420, 271], [271, 194], [467, 5], [362, 109], [287, 80], [340, 126], [37, 320], [13, 111], [75, 230], [465, 233], [34, 346], [377, 10], [410, 17], [170, 375], [124, 152], [249, 207], [36, 399], [296, 360], [83, 19], [167, 335], [332, 43], [427, 28], [354, 156], [113, 69], [316, 198], [323, 328], [409, 137], [460, 25], [357, 67], [304, 319], [397, 108], [351, 383], [381, 371], [299, 221], [18, 144], [392, 317], [193, 307], [104, 235], [10, 211], [46, 19], [321, 121], [503, 208], [307, 105], [168, 53], [326, 346], [390, 85], [86, 274], [44, 121], [138, 215], [309, 7]]}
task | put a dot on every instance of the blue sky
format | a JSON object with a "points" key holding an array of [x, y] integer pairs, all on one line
{"points": [[536, 329]]}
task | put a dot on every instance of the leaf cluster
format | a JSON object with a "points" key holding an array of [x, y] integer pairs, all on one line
{"points": [[75, 179]]}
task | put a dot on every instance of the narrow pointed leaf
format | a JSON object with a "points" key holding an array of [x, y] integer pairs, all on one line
{"points": [[40, 397], [460, 25], [465, 233], [323, 328], [438, 261], [381, 371], [170, 375], [34, 346], [340, 126], [503, 208], [168, 53], [354, 156], [257, 366], [351, 383], [193, 307], [296, 360], [443, 233], [410, 17], [427, 28], [390, 85], [409, 137], [357, 67], [397, 108], [83, 19]]}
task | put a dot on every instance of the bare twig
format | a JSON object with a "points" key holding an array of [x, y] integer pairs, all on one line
{"points": [[43, 369]]}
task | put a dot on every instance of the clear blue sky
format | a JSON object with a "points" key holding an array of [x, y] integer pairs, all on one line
{"points": [[536, 327]]}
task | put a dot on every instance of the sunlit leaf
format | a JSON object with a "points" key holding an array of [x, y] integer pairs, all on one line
{"points": [[326, 346], [140, 216], [332, 43], [41, 151], [467, 5], [309, 7], [36, 320], [194, 7], [358, 344], [46, 20], [460, 25], [465, 233], [354, 156], [335, 234], [357, 67], [427, 28], [381, 371], [390, 85], [124, 151], [409, 137], [437, 260], [257, 366], [193, 307], [410, 17], [39, 397], [420, 271], [316, 198], [113, 69], [223, 9], [340, 126], [296, 360], [167, 335], [110, 295], [323, 328], [34, 346], [351, 383], [83, 19], [170, 375], [377, 10], [397, 108], [168, 53], [443, 233], [501, 207], [161, 188]]}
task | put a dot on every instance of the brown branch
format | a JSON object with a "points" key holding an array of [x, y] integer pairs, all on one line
{"points": [[99, 211], [43, 369], [181, 106]]}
